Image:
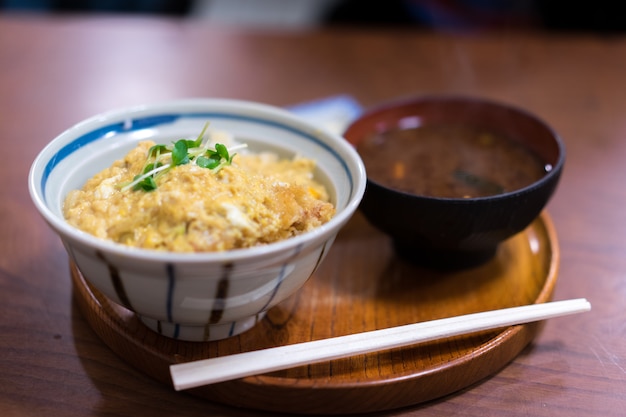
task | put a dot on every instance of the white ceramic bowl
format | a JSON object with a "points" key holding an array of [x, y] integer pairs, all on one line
{"points": [[195, 296]]}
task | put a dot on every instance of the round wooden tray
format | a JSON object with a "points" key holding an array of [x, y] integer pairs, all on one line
{"points": [[360, 286]]}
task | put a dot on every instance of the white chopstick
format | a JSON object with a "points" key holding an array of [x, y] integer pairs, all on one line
{"points": [[210, 371]]}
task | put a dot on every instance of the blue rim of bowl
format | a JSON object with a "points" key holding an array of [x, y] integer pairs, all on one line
{"points": [[157, 120], [165, 117]]}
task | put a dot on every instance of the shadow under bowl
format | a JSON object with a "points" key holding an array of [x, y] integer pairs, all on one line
{"points": [[456, 232]]}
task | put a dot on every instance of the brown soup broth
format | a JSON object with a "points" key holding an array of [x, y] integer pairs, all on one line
{"points": [[449, 161]]}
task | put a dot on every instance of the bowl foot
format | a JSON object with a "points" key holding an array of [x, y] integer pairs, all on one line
{"points": [[204, 333], [443, 259]]}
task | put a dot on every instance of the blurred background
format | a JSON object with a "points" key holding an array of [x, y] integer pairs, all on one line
{"points": [[603, 16]]}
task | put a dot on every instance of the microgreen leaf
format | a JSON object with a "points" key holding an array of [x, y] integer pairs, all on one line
{"points": [[222, 151], [146, 169], [147, 184], [180, 155], [156, 150], [139, 178], [210, 162], [190, 143], [205, 162], [181, 152]]}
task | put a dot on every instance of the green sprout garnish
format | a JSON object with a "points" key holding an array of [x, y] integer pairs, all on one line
{"points": [[180, 152]]}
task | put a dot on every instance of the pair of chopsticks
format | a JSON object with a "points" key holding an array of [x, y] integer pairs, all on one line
{"points": [[210, 371]]}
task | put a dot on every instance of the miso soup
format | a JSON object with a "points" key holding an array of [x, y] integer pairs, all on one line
{"points": [[449, 161]]}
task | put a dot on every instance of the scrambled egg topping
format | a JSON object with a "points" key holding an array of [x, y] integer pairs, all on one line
{"points": [[256, 200]]}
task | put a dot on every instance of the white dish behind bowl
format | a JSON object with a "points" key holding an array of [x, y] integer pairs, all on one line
{"points": [[195, 296]]}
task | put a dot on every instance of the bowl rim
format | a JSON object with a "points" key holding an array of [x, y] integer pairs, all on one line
{"points": [[555, 171], [270, 112]]}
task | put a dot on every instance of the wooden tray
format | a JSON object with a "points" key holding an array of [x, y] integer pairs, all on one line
{"points": [[360, 286]]}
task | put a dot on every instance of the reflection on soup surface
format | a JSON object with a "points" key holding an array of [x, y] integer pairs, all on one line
{"points": [[449, 161]]}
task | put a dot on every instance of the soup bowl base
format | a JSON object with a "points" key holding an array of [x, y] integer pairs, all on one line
{"points": [[454, 202], [443, 259]]}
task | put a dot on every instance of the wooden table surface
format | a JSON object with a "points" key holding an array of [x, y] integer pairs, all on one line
{"points": [[56, 71]]}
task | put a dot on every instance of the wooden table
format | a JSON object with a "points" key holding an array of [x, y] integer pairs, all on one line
{"points": [[57, 71]]}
